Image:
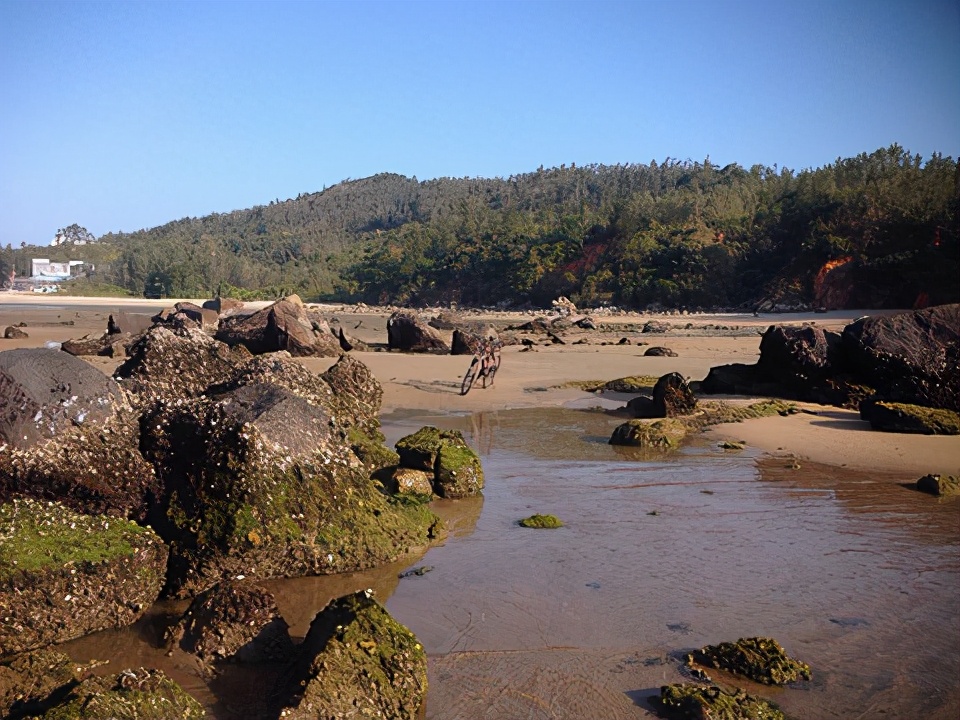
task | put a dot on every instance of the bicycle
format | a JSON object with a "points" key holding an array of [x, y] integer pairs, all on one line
{"points": [[484, 365]]}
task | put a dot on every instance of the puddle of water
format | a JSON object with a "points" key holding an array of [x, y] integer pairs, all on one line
{"points": [[853, 573]]}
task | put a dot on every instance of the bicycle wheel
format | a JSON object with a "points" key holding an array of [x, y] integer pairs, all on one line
{"points": [[470, 376]]}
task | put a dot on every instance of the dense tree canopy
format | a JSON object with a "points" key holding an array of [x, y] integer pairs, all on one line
{"points": [[674, 233]]}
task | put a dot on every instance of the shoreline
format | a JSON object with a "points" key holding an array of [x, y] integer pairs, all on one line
{"points": [[541, 376]]}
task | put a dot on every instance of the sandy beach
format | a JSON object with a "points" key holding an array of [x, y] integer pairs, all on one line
{"points": [[541, 377]]}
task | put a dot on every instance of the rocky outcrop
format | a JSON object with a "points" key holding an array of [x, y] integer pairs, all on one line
{"points": [[11, 332], [234, 620], [409, 333], [44, 392], [357, 661], [284, 325], [909, 357], [444, 453], [189, 315], [224, 306], [906, 358], [260, 481], [63, 575]]}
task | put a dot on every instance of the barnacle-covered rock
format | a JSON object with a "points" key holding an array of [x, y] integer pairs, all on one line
{"points": [[63, 575], [43, 392], [234, 619], [168, 364], [93, 469], [258, 483], [28, 680], [139, 693], [696, 702], [357, 661], [758, 658]]}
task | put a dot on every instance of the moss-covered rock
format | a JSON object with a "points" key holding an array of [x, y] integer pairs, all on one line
{"points": [[138, 694], [696, 702], [541, 521], [412, 483], [458, 472], [905, 418], [760, 659], [456, 467], [63, 575], [660, 435], [357, 661], [940, 485]]}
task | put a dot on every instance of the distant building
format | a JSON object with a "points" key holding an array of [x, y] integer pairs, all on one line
{"points": [[43, 269]]}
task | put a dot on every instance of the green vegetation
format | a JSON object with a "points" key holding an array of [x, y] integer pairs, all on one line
{"points": [[674, 233], [541, 521], [36, 535]]}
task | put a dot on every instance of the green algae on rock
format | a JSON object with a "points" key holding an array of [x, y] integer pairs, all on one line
{"points": [[357, 661], [456, 468], [696, 702], [906, 418], [63, 575], [541, 521], [760, 659], [659, 435], [940, 485], [139, 694]]}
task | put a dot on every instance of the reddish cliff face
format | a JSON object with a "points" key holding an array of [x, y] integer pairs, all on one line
{"points": [[834, 284]]}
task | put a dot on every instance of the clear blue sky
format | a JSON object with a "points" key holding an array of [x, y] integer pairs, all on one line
{"points": [[120, 116]]}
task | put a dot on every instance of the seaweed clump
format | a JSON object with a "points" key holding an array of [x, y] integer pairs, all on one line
{"points": [[760, 659], [541, 521], [695, 702], [939, 485]]}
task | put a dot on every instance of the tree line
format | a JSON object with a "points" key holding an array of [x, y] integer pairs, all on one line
{"points": [[671, 234]]}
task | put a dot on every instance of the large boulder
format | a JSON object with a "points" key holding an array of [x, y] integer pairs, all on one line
{"points": [[910, 357], [187, 314], [234, 620], [258, 482], [357, 661], [115, 479], [64, 575], [224, 306], [43, 392], [409, 333], [797, 356], [284, 325]]}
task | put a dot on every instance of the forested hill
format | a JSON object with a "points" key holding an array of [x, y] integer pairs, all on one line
{"points": [[879, 229]]}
